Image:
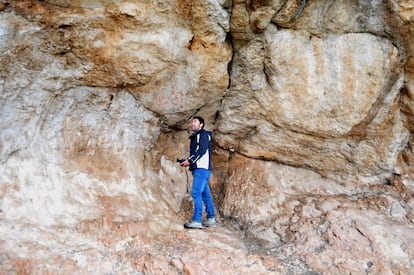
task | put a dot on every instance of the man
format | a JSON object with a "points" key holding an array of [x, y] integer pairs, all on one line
{"points": [[199, 162]]}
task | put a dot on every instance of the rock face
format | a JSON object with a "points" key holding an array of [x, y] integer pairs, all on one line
{"points": [[335, 229], [311, 105], [317, 96]]}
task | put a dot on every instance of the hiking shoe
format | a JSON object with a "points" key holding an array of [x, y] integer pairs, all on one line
{"points": [[210, 222], [193, 225]]}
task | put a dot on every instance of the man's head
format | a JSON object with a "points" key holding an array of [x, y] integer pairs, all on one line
{"points": [[197, 124]]}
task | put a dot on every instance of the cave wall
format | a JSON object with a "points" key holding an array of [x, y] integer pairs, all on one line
{"points": [[310, 104]]}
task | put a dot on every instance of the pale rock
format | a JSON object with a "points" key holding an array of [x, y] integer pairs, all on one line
{"points": [[279, 87], [311, 108], [282, 209], [397, 211], [278, 185], [319, 17], [156, 56]]}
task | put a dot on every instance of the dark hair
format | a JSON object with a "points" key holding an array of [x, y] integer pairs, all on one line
{"points": [[200, 119]]}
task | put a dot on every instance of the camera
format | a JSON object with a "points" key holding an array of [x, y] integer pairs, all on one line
{"points": [[180, 160]]}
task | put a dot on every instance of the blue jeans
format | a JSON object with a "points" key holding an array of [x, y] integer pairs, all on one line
{"points": [[201, 193]]}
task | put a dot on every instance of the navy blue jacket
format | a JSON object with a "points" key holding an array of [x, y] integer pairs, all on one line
{"points": [[200, 150]]}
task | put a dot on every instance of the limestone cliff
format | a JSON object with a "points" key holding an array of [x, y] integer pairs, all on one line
{"points": [[311, 105]]}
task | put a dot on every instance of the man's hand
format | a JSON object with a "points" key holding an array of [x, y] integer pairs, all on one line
{"points": [[185, 163]]}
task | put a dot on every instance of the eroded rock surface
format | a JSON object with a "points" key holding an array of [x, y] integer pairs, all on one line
{"points": [[336, 230], [318, 96], [311, 106]]}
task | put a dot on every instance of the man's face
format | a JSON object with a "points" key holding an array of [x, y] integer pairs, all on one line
{"points": [[196, 126]]}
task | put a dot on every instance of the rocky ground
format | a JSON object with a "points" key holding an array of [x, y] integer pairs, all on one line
{"points": [[357, 235], [120, 250]]}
